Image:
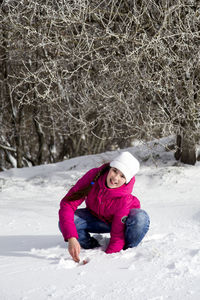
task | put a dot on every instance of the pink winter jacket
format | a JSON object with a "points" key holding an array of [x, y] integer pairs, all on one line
{"points": [[109, 205]]}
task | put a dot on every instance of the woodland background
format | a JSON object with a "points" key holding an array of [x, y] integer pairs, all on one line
{"points": [[82, 77]]}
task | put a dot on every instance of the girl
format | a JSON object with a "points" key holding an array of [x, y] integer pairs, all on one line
{"points": [[110, 207]]}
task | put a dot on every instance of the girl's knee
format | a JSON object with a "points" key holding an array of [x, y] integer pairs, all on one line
{"points": [[138, 216], [143, 216]]}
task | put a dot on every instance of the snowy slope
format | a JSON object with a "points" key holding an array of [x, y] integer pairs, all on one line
{"points": [[35, 264]]}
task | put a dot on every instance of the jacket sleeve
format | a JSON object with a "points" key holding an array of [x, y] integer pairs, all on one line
{"points": [[67, 208], [117, 240]]}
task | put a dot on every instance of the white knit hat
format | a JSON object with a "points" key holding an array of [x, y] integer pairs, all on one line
{"points": [[127, 164]]}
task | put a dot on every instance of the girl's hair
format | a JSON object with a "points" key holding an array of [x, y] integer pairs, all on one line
{"points": [[85, 191]]}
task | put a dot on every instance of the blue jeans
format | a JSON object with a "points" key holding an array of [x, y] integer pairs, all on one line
{"points": [[136, 226]]}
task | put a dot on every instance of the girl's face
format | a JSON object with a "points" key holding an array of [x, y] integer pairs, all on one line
{"points": [[115, 178]]}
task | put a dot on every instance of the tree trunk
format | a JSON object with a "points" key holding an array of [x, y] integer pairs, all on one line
{"points": [[41, 142], [177, 154], [186, 150], [18, 138], [188, 154]]}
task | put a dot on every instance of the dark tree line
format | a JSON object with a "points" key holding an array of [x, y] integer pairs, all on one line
{"points": [[83, 77]]}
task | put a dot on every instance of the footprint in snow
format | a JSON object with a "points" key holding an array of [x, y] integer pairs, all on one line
{"points": [[190, 262]]}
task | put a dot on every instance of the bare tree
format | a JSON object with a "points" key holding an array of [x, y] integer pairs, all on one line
{"points": [[81, 77]]}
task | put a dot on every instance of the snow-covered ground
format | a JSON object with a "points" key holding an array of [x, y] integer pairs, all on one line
{"points": [[34, 261]]}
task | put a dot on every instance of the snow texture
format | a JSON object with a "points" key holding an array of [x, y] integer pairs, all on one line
{"points": [[34, 261]]}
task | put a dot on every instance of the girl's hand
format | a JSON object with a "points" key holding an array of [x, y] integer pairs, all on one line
{"points": [[74, 249]]}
